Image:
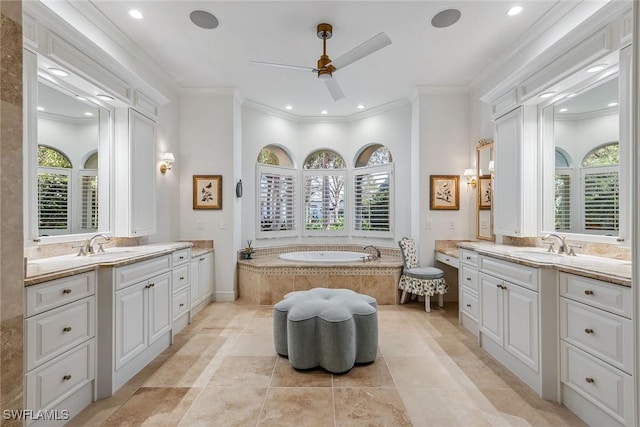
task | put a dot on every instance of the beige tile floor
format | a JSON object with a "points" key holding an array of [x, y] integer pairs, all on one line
{"points": [[222, 371]]}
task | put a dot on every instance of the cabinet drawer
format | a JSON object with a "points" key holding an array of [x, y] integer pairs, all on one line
{"points": [[605, 335], [133, 273], [55, 381], [468, 257], [613, 298], [181, 302], [606, 387], [447, 259], [181, 256], [55, 293], [180, 277], [469, 303], [514, 273], [469, 277], [54, 332]]}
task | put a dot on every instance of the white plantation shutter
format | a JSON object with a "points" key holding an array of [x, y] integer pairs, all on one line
{"points": [[563, 199], [324, 199], [601, 200], [276, 201], [89, 200], [372, 207], [54, 201]]}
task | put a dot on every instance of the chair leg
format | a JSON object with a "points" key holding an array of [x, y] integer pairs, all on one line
{"points": [[440, 300], [403, 298], [427, 304]]}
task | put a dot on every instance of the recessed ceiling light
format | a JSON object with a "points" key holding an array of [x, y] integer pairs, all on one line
{"points": [[204, 19], [86, 113], [446, 18], [596, 68], [612, 104], [104, 97], [58, 72], [547, 95], [40, 108], [80, 98], [563, 110], [515, 10], [136, 14], [360, 107], [289, 107], [324, 112]]}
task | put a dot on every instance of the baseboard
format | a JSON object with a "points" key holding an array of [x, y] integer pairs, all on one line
{"points": [[225, 296]]}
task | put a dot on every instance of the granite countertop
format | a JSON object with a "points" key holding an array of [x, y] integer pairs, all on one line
{"points": [[606, 269], [196, 252], [44, 269]]}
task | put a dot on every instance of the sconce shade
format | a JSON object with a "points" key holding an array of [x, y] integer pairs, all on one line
{"points": [[491, 166], [470, 175], [168, 157], [167, 161], [469, 172]]}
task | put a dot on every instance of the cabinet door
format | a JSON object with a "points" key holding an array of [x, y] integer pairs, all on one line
{"points": [[491, 295], [206, 275], [195, 282], [143, 174], [506, 203], [130, 323], [521, 324], [159, 294]]}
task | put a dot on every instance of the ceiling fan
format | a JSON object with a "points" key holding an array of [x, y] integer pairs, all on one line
{"points": [[326, 67]]}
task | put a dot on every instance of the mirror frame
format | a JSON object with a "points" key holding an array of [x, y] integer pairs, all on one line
{"points": [[483, 144]]}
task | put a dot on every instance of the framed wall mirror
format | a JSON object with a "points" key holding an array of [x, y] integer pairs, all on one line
{"points": [[484, 189]]}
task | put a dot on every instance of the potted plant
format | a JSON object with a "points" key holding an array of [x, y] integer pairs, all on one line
{"points": [[248, 251]]}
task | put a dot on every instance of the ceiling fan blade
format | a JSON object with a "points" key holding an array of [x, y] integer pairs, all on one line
{"points": [[372, 45], [334, 88], [292, 67]]}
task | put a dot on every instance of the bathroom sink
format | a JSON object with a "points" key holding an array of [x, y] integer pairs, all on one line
{"points": [[538, 256]]}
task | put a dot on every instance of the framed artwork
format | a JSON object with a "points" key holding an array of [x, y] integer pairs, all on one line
{"points": [[445, 192], [485, 192], [207, 191]]}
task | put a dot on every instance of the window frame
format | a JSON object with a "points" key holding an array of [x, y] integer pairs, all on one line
{"points": [[368, 171], [283, 171], [325, 172]]}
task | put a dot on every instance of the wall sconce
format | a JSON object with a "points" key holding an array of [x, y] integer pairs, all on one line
{"points": [[471, 177], [167, 162]]}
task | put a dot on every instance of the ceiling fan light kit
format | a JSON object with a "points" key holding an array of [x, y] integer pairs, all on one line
{"points": [[326, 67]]}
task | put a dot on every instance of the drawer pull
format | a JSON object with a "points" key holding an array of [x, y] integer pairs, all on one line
{"points": [[182, 278], [66, 329], [468, 257], [66, 291], [589, 380], [181, 257], [67, 377], [201, 259], [588, 331], [181, 304], [469, 305], [469, 278], [588, 292], [447, 259], [150, 285]]}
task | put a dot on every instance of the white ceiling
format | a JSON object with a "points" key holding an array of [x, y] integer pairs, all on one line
{"points": [[285, 32]]}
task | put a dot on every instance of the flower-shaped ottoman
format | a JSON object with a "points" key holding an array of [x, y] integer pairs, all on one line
{"points": [[331, 328]]}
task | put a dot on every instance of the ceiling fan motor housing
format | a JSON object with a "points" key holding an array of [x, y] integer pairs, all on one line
{"points": [[325, 69], [325, 31]]}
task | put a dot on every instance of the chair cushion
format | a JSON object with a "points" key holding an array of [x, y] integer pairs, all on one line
{"points": [[424, 272]]}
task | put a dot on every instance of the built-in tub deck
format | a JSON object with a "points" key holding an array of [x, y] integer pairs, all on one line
{"points": [[266, 278]]}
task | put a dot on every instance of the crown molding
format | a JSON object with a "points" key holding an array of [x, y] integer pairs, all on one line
{"points": [[67, 119], [588, 115], [420, 90]]}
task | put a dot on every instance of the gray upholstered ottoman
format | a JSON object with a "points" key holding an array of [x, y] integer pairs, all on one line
{"points": [[331, 328]]}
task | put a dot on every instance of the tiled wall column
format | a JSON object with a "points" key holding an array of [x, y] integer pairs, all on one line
{"points": [[11, 235]]}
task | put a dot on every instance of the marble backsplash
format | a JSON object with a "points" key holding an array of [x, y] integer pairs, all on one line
{"points": [[66, 248], [605, 250]]}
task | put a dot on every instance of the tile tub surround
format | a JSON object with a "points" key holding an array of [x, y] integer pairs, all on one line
{"points": [[11, 237], [222, 370], [600, 268], [266, 279]]}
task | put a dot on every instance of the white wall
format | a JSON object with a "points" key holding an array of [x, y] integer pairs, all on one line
{"points": [[579, 137], [75, 139], [207, 148]]}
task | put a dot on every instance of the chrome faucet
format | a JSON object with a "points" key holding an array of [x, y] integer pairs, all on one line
{"points": [[562, 249], [88, 246], [378, 255]]}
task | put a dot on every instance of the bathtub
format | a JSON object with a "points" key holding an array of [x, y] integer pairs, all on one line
{"points": [[331, 257]]}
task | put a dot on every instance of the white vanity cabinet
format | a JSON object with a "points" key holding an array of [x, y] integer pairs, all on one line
{"points": [[596, 350], [468, 284], [518, 321], [515, 186], [60, 341], [134, 319], [135, 173], [181, 289], [202, 282]]}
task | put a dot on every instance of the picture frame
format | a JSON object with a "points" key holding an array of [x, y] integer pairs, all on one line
{"points": [[485, 192], [444, 192], [207, 191]]}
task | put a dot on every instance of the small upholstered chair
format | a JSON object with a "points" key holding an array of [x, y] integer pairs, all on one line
{"points": [[420, 281]]}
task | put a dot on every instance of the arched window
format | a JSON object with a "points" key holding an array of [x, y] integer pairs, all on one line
{"points": [[601, 190], [92, 161], [276, 193], [54, 192], [324, 177], [372, 186]]}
